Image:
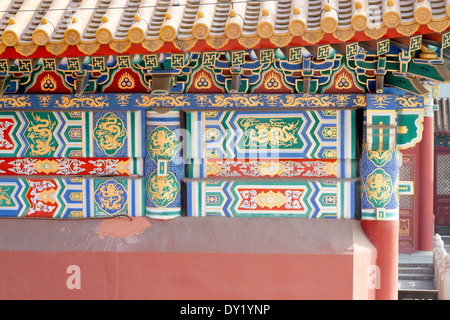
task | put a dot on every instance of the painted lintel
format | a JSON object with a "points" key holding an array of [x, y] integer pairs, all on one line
{"points": [[137, 101]]}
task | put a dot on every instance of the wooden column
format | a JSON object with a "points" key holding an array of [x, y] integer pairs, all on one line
{"points": [[426, 174], [379, 168], [384, 236], [380, 221]]}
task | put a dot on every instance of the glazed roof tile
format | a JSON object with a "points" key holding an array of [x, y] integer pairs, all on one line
{"points": [[56, 25]]}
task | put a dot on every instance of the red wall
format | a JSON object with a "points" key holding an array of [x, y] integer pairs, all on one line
{"points": [[152, 275], [186, 258]]}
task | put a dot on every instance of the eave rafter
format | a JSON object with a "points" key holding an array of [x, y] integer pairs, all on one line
{"points": [[50, 28], [397, 49], [401, 62]]}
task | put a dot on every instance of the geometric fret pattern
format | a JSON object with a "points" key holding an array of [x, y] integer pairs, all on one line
{"points": [[305, 199], [303, 152]]}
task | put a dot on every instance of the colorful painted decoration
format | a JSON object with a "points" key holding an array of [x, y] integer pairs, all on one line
{"points": [[305, 134], [378, 188], [162, 144], [285, 168], [70, 197], [409, 127], [111, 197], [251, 146], [379, 182], [206, 156], [110, 133], [134, 101], [72, 166], [381, 122], [77, 144], [137, 101], [164, 166], [282, 73], [162, 189], [306, 199], [69, 134], [118, 134]]}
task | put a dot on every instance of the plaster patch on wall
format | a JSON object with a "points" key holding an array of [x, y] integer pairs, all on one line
{"points": [[122, 227]]}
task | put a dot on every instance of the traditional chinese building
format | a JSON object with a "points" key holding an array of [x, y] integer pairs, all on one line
{"points": [[260, 149]]}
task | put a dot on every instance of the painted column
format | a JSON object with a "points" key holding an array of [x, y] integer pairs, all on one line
{"points": [[426, 172], [379, 168], [164, 165]]}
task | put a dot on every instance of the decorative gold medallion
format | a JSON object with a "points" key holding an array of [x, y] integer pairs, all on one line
{"points": [[378, 188]]}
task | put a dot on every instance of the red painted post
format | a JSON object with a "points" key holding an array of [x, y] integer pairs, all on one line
{"points": [[426, 185], [379, 169], [384, 236]]}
